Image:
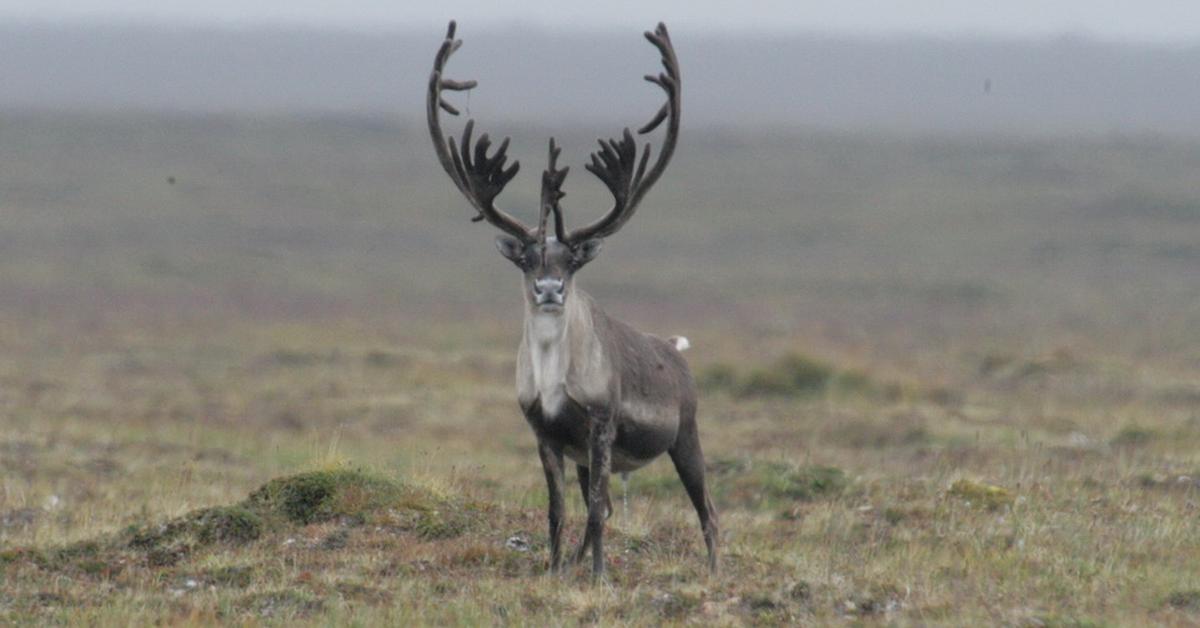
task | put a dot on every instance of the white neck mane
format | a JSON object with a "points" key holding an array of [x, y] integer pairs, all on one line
{"points": [[561, 357], [547, 340]]}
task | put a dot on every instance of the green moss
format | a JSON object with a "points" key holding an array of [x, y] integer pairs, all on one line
{"points": [[59, 558], [385, 359], [348, 496], [639, 544], [894, 515], [1186, 600], [236, 576], [1133, 436], [802, 483], [167, 556], [227, 524], [982, 495], [993, 363], [94, 566], [449, 519], [793, 375], [750, 482], [295, 359], [324, 495], [432, 525], [718, 376], [165, 544]]}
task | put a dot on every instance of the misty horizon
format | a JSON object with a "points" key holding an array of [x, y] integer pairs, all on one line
{"points": [[1027, 85], [526, 25], [1161, 21]]}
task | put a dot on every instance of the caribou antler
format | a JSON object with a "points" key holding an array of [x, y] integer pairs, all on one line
{"points": [[552, 180], [615, 162], [479, 177]]}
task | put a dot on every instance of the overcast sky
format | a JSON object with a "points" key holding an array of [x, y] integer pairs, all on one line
{"points": [[1167, 21]]}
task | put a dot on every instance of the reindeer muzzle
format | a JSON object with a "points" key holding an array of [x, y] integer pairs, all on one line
{"points": [[548, 291]]}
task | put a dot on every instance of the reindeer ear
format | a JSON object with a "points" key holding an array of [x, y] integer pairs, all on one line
{"points": [[587, 251], [511, 248]]}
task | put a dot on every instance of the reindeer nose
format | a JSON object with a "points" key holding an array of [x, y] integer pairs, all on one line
{"points": [[548, 290]]}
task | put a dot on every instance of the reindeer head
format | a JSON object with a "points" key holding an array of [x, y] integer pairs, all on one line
{"points": [[549, 261]]}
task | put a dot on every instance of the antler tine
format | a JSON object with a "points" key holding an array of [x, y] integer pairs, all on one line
{"points": [[479, 177], [670, 82], [617, 163], [552, 180]]}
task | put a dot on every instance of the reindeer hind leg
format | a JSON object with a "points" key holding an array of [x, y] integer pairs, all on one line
{"points": [[689, 464]]}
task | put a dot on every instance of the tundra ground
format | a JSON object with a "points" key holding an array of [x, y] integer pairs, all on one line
{"points": [[942, 381]]}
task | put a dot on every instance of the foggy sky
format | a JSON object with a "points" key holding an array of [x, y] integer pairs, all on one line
{"points": [[1161, 21], [915, 84]]}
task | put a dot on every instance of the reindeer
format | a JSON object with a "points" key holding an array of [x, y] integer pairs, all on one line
{"points": [[594, 389]]}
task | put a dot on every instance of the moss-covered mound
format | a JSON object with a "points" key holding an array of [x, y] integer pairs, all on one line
{"points": [[346, 496], [325, 495]]}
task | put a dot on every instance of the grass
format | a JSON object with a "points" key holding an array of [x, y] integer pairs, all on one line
{"points": [[982, 495], [834, 509], [792, 375], [933, 391]]}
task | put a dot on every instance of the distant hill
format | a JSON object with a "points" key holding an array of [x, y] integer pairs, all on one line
{"points": [[1065, 85]]}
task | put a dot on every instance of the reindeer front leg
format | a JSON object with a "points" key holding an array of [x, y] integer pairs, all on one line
{"points": [[600, 441], [585, 484], [552, 464]]}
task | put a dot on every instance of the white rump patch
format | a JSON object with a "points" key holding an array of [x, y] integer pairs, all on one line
{"points": [[681, 343]]}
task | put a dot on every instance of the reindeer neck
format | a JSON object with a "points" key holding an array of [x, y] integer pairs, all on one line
{"points": [[571, 326], [550, 344]]}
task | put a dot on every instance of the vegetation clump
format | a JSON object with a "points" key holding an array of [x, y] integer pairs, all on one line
{"points": [[1133, 436], [284, 603], [164, 544], [803, 483], [324, 495], [983, 495], [235, 576], [1185, 600], [793, 375], [227, 524], [81, 556], [751, 482]]}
